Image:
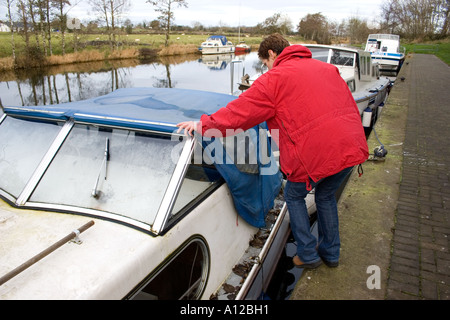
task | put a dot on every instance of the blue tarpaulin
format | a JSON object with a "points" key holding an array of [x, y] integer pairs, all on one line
{"points": [[253, 183], [223, 39]]}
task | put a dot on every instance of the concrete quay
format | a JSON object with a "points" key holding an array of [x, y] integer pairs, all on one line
{"points": [[394, 219]]}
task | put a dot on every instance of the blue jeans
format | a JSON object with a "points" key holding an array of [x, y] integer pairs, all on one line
{"points": [[327, 246]]}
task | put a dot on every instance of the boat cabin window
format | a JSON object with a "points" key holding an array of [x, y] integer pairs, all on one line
{"points": [[365, 64], [320, 54], [199, 179], [183, 277], [23, 144], [113, 170], [342, 58]]}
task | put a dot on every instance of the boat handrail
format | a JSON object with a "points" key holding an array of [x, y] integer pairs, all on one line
{"points": [[384, 36], [71, 236]]}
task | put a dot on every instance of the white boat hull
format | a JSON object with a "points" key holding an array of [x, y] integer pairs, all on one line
{"points": [[386, 51], [186, 250], [217, 50], [107, 273]]}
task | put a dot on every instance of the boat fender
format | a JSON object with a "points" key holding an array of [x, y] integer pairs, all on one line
{"points": [[380, 108], [367, 117], [380, 152]]}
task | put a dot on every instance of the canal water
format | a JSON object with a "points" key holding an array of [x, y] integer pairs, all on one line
{"points": [[215, 73]]}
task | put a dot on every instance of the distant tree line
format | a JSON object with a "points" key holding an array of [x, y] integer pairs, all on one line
{"points": [[36, 21], [411, 19]]}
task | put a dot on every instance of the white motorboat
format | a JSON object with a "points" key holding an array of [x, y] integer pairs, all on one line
{"points": [[217, 45], [154, 214], [386, 50], [362, 75]]}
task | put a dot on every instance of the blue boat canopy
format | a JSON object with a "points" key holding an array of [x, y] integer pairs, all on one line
{"points": [[141, 108], [223, 39]]}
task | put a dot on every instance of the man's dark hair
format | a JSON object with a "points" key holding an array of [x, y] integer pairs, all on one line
{"points": [[274, 42]]}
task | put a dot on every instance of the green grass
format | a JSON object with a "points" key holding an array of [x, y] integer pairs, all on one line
{"points": [[439, 48], [148, 40]]}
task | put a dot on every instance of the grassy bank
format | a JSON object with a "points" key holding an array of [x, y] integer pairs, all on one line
{"points": [[96, 47], [439, 48]]}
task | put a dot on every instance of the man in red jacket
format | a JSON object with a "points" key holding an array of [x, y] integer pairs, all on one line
{"points": [[308, 105]]}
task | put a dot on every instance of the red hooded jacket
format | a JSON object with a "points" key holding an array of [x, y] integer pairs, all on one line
{"points": [[311, 110]]}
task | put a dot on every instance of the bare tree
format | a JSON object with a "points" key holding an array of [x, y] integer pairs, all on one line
{"points": [[32, 13], [416, 19], [22, 11], [357, 30], [62, 17], [315, 27], [444, 15], [278, 23], [13, 43], [110, 11], [40, 4], [165, 8], [48, 25]]}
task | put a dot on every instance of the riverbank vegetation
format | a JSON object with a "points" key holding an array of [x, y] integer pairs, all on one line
{"points": [[44, 35], [440, 48], [97, 47]]}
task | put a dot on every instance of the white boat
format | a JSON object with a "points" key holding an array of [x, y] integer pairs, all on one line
{"points": [[386, 50], [154, 214], [217, 45], [362, 75]]}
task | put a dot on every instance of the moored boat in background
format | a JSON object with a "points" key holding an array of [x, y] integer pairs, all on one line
{"points": [[360, 72], [386, 50], [362, 75], [242, 47], [216, 45]]}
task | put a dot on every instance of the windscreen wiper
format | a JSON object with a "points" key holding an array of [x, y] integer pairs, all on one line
{"points": [[95, 193]]}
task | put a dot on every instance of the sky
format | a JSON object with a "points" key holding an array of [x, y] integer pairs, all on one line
{"points": [[238, 12]]}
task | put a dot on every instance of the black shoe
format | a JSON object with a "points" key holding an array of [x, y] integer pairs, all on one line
{"points": [[330, 264], [300, 264]]}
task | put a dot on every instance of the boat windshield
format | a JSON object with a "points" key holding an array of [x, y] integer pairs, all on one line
{"points": [[333, 56], [23, 144], [113, 170], [320, 53], [342, 58]]}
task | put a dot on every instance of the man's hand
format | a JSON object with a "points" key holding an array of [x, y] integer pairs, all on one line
{"points": [[188, 126]]}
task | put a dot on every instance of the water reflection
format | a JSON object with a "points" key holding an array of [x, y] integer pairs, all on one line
{"points": [[216, 73]]}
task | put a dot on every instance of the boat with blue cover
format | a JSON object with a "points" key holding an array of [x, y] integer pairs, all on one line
{"points": [[123, 207], [217, 44]]}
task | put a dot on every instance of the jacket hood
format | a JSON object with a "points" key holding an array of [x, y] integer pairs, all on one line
{"points": [[293, 51]]}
